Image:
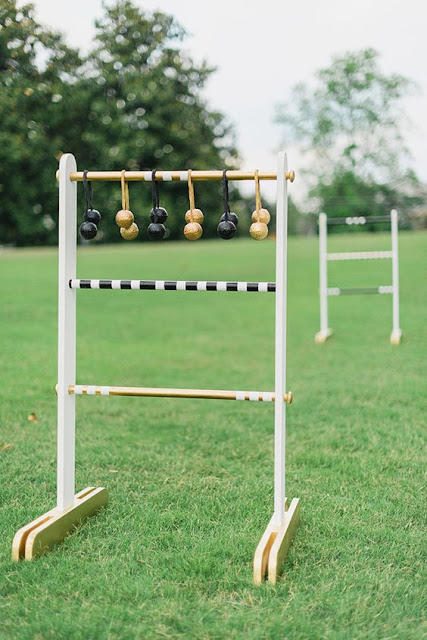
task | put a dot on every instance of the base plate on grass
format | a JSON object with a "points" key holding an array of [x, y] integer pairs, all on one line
{"points": [[322, 336], [396, 336], [42, 534], [271, 551]]}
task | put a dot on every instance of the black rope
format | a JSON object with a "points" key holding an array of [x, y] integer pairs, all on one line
{"points": [[87, 186], [225, 195], [154, 190]]}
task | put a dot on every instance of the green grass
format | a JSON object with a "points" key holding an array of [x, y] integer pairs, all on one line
{"points": [[190, 481]]}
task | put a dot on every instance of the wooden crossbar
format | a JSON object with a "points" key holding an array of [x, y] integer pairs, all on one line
{"points": [[160, 392], [348, 291], [173, 285], [359, 255], [358, 220], [325, 257], [180, 176]]}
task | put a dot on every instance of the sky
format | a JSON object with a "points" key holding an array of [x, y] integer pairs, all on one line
{"points": [[261, 49]]}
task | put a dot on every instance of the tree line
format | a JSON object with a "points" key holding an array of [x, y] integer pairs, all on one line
{"points": [[349, 123], [136, 101]]}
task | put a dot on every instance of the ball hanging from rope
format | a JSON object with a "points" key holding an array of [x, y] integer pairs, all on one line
{"points": [[156, 231], [229, 221], [226, 229], [88, 230], [194, 215], [92, 215], [230, 216], [258, 230], [124, 218], [261, 215], [158, 214], [193, 231], [129, 233]]}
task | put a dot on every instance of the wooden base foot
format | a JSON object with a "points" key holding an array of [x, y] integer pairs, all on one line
{"points": [[42, 534], [396, 336], [271, 551], [322, 336]]}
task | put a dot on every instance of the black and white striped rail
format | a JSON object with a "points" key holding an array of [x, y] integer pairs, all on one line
{"points": [[173, 285], [348, 291]]}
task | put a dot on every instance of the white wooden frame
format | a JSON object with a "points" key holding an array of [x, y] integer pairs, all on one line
{"points": [[325, 257], [277, 538], [41, 534]]}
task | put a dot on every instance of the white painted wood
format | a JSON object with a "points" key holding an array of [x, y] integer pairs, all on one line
{"points": [[323, 274], [333, 291], [280, 340], [385, 288], [395, 269], [355, 220], [359, 255], [66, 332], [325, 257]]}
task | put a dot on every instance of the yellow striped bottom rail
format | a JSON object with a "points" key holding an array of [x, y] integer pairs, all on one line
{"points": [[159, 392]]}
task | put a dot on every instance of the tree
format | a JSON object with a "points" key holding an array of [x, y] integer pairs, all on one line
{"points": [[148, 111], [35, 71], [136, 101], [349, 125], [348, 194]]}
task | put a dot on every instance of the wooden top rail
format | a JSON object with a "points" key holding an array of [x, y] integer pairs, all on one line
{"points": [[180, 176]]}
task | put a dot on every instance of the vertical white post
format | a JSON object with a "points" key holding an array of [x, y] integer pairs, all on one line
{"points": [[280, 340], [396, 333], [323, 274], [66, 332]]}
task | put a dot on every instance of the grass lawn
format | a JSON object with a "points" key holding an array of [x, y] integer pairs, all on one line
{"points": [[190, 481]]}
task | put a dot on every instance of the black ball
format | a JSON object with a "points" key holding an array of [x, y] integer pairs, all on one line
{"points": [[226, 229], [156, 231], [232, 217], [158, 214], [88, 230], [92, 215]]}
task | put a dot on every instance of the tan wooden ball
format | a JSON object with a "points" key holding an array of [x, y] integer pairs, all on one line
{"points": [[124, 218], [261, 216], [131, 233], [193, 231], [258, 230], [194, 215]]}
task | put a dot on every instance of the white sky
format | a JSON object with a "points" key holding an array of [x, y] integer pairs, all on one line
{"points": [[261, 49]]}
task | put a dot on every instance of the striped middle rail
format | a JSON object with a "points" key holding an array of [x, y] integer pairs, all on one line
{"points": [[359, 220], [359, 255], [348, 291], [173, 285], [160, 392]]}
